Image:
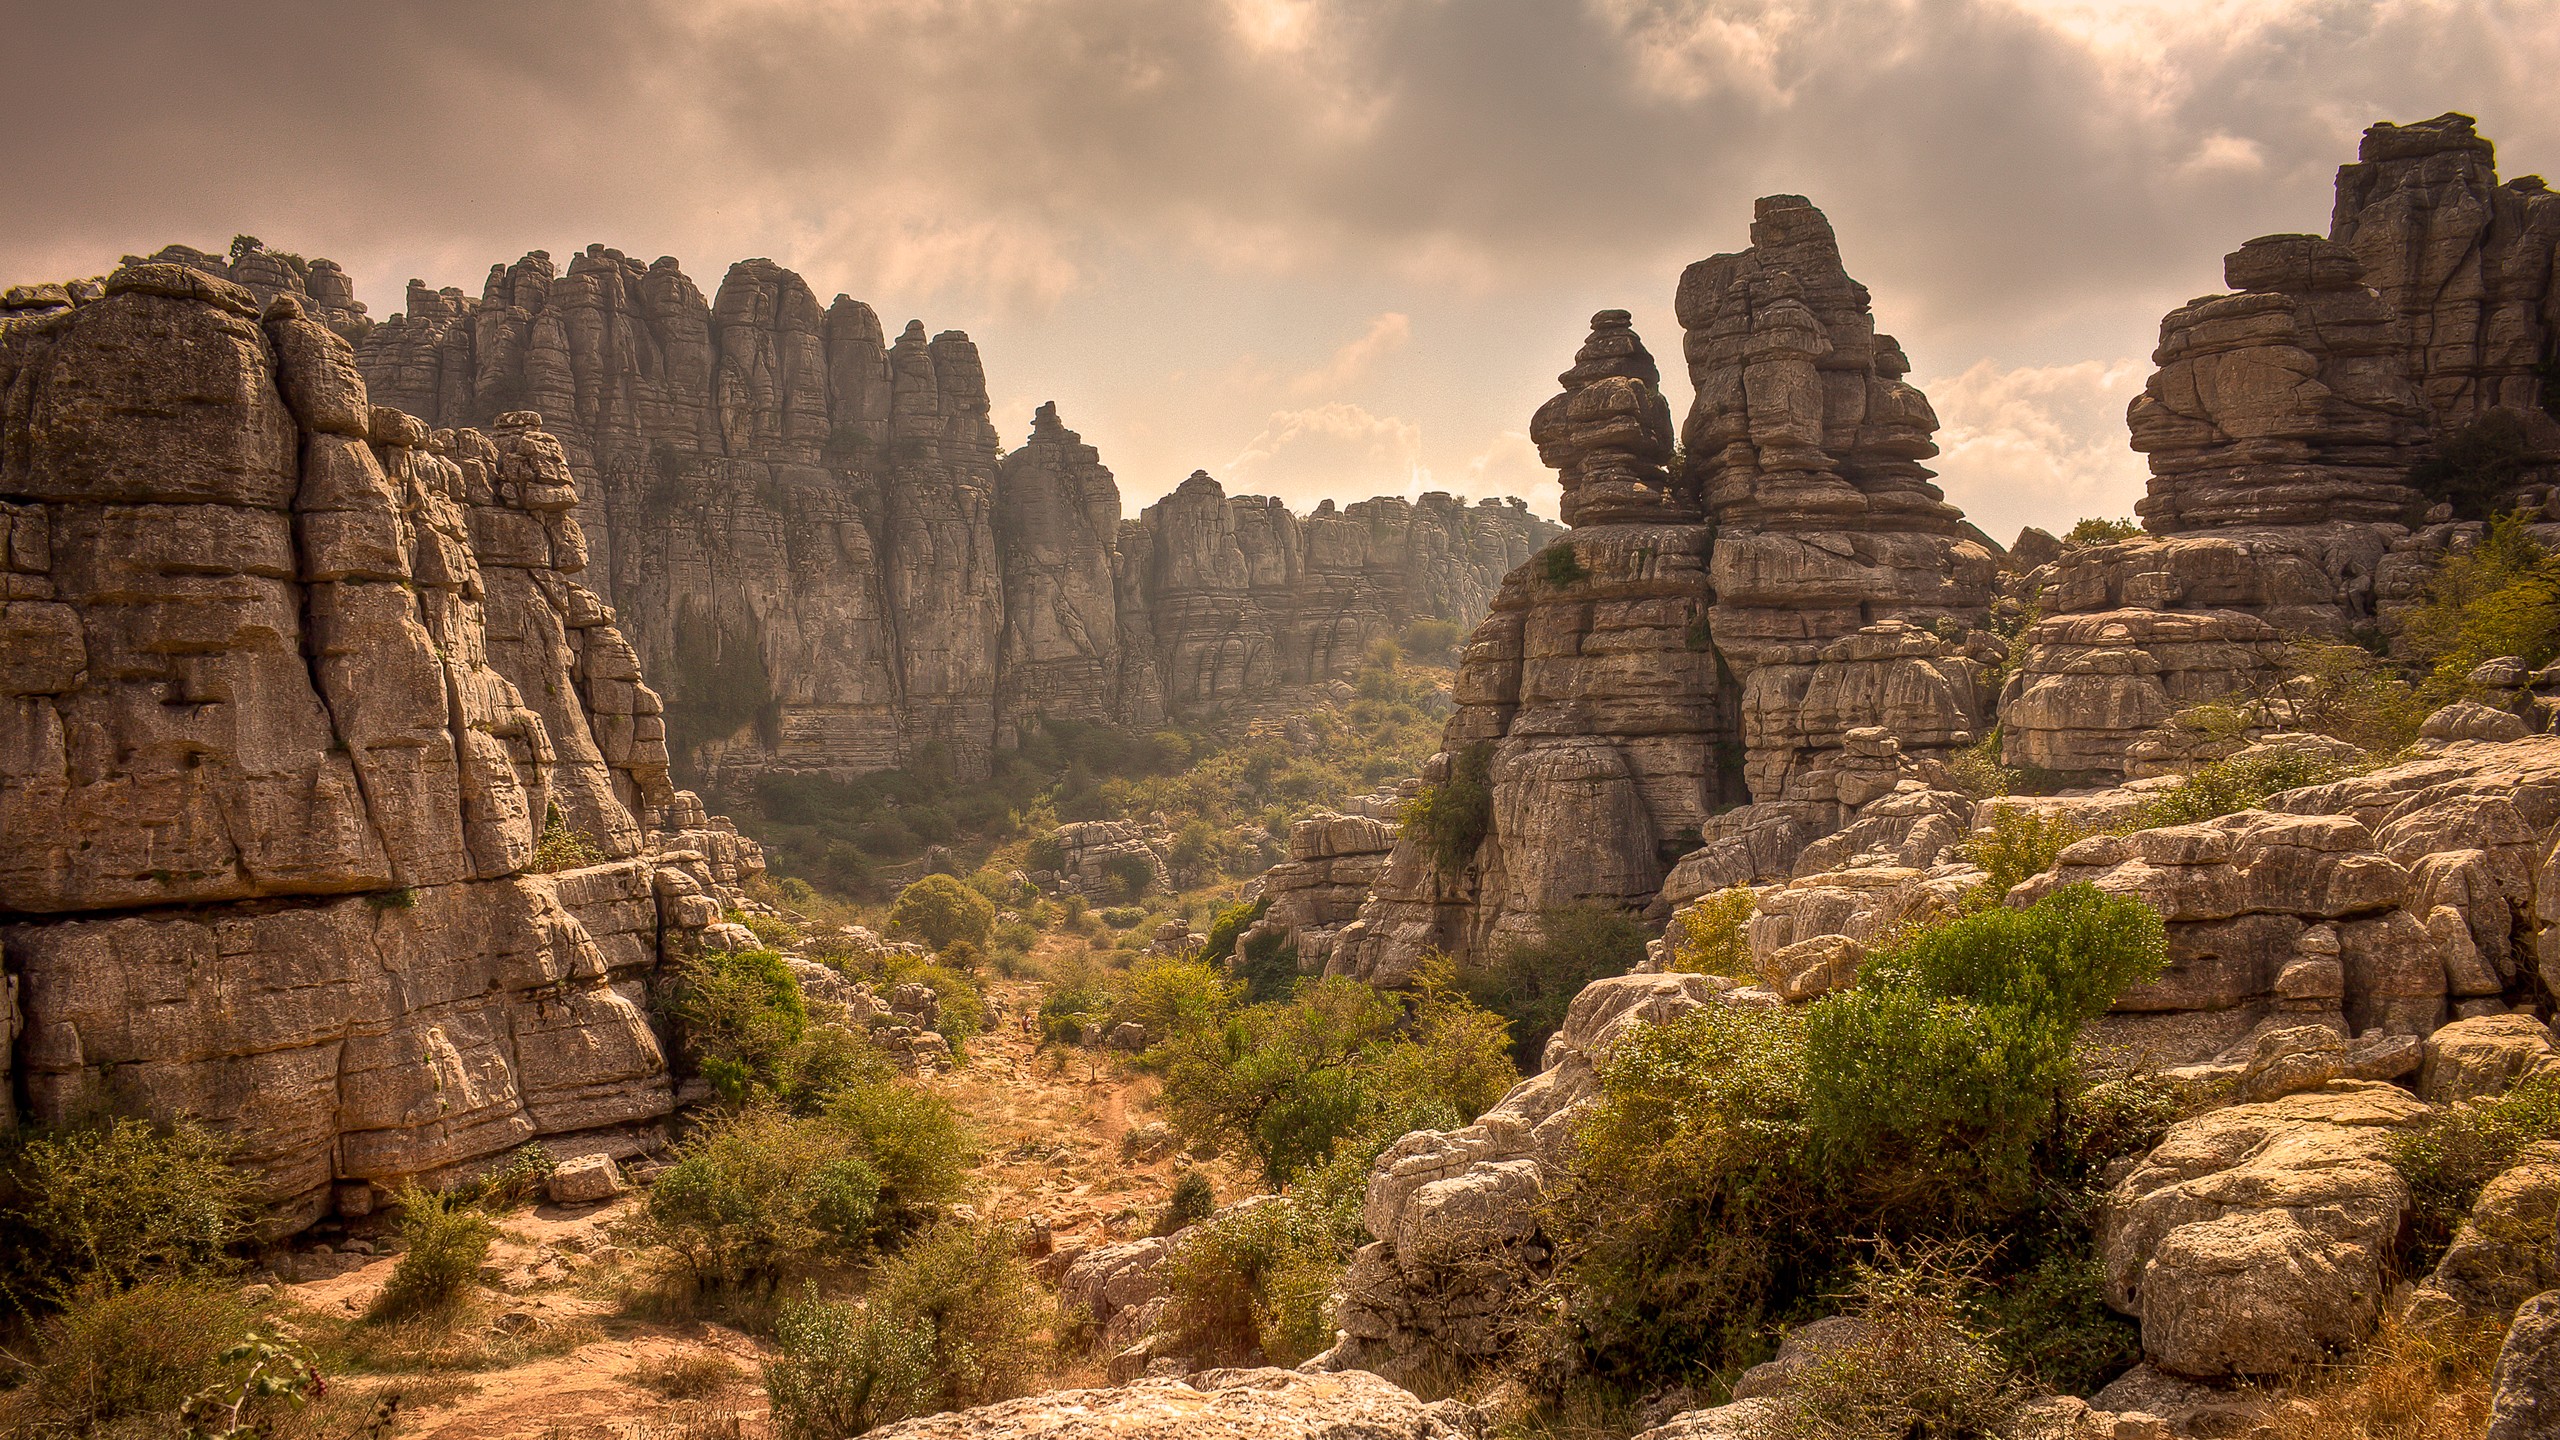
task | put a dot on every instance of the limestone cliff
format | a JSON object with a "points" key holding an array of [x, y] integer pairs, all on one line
{"points": [[292, 687], [810, 536]]}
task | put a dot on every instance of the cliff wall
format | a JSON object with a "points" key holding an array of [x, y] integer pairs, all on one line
{"points": [[290, 688], [816, 539]]}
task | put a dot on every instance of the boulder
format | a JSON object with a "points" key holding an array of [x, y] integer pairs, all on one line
{"points": [[2505, 1251], [2252, 1240], [2524, 1398], [583, 1180], [2485, 1057]]}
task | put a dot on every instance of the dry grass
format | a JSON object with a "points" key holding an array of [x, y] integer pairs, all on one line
{"points": [[689, 1375], [460, 1339], [2406, 1384]]}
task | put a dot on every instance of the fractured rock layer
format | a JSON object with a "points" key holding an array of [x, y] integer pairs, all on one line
{"points": [[292, 687]]}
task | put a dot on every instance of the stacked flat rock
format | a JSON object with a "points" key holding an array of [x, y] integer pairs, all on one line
{"points": [[1608, 437], [2288, 403], [324, 291], [1807, 443], [1590, 695], [296, 685], [807, 532]]}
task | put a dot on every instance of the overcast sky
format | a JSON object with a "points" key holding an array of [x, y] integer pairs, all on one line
{"points": [[1315, 248]]}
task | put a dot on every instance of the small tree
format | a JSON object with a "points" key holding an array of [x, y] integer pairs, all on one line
{"points": [[938, 909]]}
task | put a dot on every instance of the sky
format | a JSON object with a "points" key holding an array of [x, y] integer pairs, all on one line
{"points": [[1315, 247]]}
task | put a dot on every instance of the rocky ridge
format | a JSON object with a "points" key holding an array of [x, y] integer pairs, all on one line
{"points": [[814, 537], [296, 687]]}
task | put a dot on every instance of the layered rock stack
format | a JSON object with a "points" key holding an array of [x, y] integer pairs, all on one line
{"points": [[1589, 700], [326, 292], [810, 538], [1807, 444], [2285, 427], [294, 687]]}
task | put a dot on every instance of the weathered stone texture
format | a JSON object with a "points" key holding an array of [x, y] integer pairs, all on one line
{"points": [[810, 539], [294, 686]]}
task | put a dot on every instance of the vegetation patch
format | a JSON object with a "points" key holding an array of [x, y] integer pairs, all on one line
{"points": [[1451, 818], [1532, 982]]}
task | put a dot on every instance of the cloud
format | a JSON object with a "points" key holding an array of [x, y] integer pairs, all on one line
{"points": [[1336, 449], [1386, 334], [2039, 445], [1114, 190]]}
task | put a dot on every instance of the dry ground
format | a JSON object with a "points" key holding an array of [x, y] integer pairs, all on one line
{"points": [[564, 1341]]}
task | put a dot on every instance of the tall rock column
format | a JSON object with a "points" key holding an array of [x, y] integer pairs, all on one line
{"points": [[1588, 702], [1806, 443], [1057, 525]]}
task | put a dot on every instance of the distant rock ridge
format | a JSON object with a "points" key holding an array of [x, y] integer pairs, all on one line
{"points": [[810, 533], [296, 692]]}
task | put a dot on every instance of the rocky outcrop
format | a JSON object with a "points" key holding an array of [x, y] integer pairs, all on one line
{"points": [[293, 687], [2252, 1240], [325, 292], [1456, 1214], [1334, 861], [1792, 625], [810, 538], [1226, 1404]]}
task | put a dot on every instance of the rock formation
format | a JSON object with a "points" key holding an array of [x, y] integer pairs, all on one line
{"points": [[2310, 437], [326, 292], [294, 686], [1793, 625], [810, 537]]}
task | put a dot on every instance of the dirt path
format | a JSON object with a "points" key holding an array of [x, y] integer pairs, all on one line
{"points": [[552, 1352]]}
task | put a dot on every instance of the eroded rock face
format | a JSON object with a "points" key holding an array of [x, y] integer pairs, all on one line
{"points": [[1456, 1214], [2252, 1240], [806, 530], [293, 685]]}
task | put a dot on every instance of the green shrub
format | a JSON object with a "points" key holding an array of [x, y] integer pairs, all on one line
{"points": [[2016, 846], [1282, 1080], [2227, 787], [1532, 982], [964, 1007], [2500, 597], [968, 1288], [1921, 1367], [939, 909], [1255, 1287], [112, 1204], [761, 1195], [771, 931], [2475, 467], [1560, 567], [842, 1369], [1978, 773], [742, 1016], [2448, 1158], [1451, 818], [126, 1361], [1690, 1214], [1711, 936], [913, 1141], [1230, 924], [1932, 1083], [1738, 1166], [1268, 966], [1170, 995], [1126, 877], [2351, 694], [562, 846], [1433, 642], [2095, 530], [1123, 917], [1451, 1063], [1192, 1201], [443, 1243]]}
